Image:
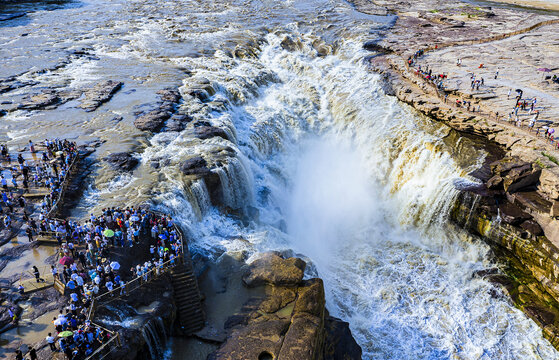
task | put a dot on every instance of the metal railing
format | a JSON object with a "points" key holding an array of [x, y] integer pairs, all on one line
{"points": [[139, 281], [65, 182]]}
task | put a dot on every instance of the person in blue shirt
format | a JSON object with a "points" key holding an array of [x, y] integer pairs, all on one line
{"points": [[71, 285]]}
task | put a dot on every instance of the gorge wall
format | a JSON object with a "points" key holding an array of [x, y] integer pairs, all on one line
{"points": [[515, 206]]}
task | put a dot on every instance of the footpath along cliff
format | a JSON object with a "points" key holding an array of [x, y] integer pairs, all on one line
{"points": [[515, 207]]}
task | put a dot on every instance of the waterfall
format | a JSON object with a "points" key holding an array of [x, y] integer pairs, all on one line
{"points": [[236, 184], [358, 183], [155, 337], [201, 196]]}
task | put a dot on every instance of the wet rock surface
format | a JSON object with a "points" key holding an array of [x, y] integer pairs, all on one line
{"points": [[99, 94], [122, 161], [207, 132], [152, 121], [195, 166], [166, 114]]}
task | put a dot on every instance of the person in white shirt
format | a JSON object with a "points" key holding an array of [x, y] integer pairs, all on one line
{"points": [[51, 341]]}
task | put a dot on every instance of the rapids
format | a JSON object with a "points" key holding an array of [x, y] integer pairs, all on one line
{"points": [[326, 164]]}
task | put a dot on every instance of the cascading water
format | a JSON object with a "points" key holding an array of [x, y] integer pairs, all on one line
{"points": [[155, 337], [365, 186], [338, 171]]}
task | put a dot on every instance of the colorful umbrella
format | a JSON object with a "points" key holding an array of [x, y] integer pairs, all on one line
{"points": [[66, 260], [108, 233], [65, 334], [544, 69], [115, 265]]}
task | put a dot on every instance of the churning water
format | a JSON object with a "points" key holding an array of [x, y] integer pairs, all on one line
{"points": [[325, 163]]}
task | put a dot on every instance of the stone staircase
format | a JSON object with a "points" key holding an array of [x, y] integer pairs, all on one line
{"points": [[187, 297]]}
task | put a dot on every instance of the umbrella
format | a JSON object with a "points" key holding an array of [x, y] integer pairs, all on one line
{"points": [[551, 131], [134, 218], [66, 260], [65, 334], [518, 90], [108, 233], [115, 265], [544, 69]]}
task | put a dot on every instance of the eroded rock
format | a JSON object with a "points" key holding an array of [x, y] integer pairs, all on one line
{"points": [[152, 121], [122, 161], [195, 166], [274, 270], [208, 132], [99, 94]]}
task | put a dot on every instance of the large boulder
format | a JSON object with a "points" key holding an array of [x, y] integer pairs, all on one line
{"points": [[208, 132], [503, 166], [122, 161], [272, 269], [196, 165], [522, 178], [339, 343], [152, 121]]}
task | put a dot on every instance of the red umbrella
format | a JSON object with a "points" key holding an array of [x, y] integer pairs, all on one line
{"points": [[66, 260]]}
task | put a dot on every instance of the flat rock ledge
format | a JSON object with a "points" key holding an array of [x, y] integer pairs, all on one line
{"points": [[290, 322]]}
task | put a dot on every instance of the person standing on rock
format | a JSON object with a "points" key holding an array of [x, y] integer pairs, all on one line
{"points": [[496, 73], [33, 354], [29, 233], [508, 94], [19, 355], [51, 341]]}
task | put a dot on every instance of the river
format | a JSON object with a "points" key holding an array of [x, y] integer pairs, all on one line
{"points": [[325, 164]]}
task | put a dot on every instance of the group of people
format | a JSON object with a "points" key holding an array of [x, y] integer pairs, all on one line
{"points": [[76, 336], [521, 104], [427, 75], [47, 169], [85, 269]]}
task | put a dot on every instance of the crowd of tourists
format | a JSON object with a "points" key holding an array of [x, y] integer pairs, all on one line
{"points": [[427, 74], [47, 169], [521, 105], [87, 272]]}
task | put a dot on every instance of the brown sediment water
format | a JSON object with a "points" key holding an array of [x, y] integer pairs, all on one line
{"points": [[22, 265], [29, 332]]}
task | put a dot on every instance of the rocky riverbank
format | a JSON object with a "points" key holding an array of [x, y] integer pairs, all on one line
{"points": [[515, 205]]}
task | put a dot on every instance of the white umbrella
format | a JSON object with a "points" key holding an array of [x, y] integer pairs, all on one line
{"points": [[134, 218], [115, 265]]}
